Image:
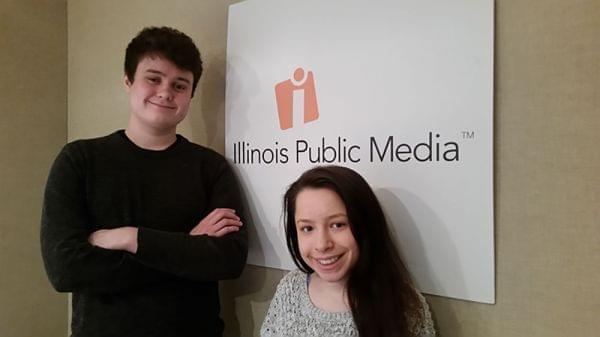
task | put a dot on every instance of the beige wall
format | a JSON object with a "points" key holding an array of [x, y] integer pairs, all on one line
{"points": [[547, 116], [33, 112], [547, 162]]}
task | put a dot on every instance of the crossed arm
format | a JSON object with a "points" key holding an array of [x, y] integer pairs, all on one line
{"points": [[120, 259], [220, 222]]}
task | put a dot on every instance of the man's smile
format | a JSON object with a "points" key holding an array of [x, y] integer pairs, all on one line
{"points": [[162, 106]]}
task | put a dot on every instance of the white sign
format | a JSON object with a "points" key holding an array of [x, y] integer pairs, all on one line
{"points": [[400, 91]]}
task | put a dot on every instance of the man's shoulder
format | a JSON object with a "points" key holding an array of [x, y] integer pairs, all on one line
{"points": [[94, 141], [204, 152], [86, 146], [200, 148]]}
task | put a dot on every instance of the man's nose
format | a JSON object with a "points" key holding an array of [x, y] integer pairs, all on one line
{"points": [[165, 92]]}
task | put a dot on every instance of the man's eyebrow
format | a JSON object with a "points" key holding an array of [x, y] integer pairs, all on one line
{"points": [[158, 72]]}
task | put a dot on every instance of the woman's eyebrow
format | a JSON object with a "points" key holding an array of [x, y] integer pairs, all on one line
{"points": [[329, 217], [337, 215]]}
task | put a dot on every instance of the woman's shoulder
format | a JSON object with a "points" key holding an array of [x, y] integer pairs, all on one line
{"points": [[292, 281], [295, 275], [426, 328], [283, 310]]}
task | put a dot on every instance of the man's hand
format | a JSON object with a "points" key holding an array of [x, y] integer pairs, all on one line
{"points": [[123, 238], [219, 222]]}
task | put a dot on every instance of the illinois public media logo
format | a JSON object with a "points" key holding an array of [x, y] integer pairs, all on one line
{"points": [[284, 94], [342, 149]]}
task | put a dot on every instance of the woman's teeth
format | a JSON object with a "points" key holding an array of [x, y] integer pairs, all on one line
{"points": [[328, 261]]}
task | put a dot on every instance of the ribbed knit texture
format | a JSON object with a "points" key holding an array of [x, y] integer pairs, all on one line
{"points": [[169, 288]]}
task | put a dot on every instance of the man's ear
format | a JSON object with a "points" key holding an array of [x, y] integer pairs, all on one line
{"points": [[127, 83]]}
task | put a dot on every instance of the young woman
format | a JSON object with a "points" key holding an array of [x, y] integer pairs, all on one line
{"points": [[351, 281]]}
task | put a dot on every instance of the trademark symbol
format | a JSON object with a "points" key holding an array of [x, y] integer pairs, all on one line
{"points": [[468, 134]]}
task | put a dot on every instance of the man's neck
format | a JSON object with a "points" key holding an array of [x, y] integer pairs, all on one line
{"points": [[151, 140]]}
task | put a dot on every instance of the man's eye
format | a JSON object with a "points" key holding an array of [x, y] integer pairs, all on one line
{"points": [[153, 79], [180, 87]]}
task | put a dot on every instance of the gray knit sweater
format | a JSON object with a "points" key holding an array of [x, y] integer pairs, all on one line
{"points": [[292, 314]]}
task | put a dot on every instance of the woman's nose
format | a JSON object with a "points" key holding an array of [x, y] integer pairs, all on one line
{"points": [[323, 241]]}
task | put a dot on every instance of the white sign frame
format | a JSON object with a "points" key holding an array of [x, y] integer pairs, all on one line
{"points": [[402, 81]]}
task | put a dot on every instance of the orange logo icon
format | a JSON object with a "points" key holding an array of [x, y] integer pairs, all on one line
{"points": [[284, 94]]}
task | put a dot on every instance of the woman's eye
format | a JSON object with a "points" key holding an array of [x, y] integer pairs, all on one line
{"points": [[306, 229], [338, 225]]}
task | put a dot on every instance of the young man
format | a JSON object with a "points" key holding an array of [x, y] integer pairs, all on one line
{"points": [[141, 224]]}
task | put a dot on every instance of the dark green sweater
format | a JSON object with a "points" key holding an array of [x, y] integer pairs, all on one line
{"points": [[169, 287]]}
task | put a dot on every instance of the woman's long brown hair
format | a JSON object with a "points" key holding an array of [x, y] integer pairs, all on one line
{"points": [[380, 292]]}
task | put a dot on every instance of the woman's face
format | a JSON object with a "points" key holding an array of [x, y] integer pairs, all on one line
{"points": [[324, 236]]}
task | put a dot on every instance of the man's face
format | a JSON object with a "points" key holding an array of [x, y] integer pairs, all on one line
{"points": [[159, 95]]}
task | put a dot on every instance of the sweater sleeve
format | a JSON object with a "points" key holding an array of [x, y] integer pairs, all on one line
{"points": [[202, 257], [73, 264]]}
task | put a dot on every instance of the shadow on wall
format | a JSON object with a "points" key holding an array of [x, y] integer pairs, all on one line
{"points": [[209, 121], [213, 91], [245, 301], [409, 239], [257, 237]]}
